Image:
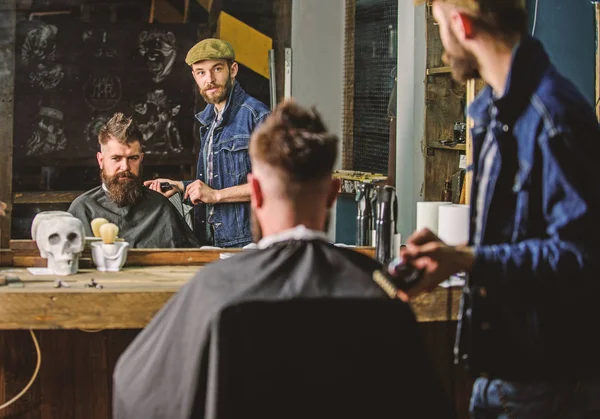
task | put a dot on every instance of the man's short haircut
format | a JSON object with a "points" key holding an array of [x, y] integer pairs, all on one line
{"points": [[503, 24], [122, 129], [295, 142], [503, 19]]}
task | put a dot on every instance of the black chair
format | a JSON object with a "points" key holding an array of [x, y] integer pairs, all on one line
{"points": [[324, 358]]}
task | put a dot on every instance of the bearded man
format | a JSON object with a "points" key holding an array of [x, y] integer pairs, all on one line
{"points": [[146, 219], [220, 194], [532, 255]]}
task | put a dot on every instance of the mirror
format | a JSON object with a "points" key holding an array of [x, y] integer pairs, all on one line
{"points": [[72, 64]]}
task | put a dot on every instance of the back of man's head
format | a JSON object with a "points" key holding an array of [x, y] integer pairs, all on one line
{"points": [[120, 128], [294, 142], [292, 162], [503, 19]]}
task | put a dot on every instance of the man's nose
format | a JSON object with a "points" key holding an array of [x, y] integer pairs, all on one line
{"points": [[125, 165], [209, 78]]}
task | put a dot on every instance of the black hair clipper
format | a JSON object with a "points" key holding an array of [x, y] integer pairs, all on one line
{"points": [[165, 186], [397, 275]]}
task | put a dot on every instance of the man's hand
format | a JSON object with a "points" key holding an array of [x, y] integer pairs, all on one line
{"points": [[200, 192], [2, 208], [155, 186], [424, 250]]}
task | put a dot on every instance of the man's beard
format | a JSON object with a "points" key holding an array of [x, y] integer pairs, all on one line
{"points": [[464, 66], [221, 96], [124, 188]]}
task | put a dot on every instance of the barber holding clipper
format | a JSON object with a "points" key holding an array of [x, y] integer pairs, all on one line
{"points": [[530, 306], [223, 162]]}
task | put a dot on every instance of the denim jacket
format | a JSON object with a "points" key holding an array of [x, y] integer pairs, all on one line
{"points": [[530, 308], [231, 165]]}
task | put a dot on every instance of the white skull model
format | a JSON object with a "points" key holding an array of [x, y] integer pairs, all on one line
{"points": [[60, 238]]}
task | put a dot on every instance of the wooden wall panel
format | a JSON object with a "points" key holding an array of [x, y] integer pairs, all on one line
{"points": [[57, 375], [439, 165], [445, 102], [17, 364], [75, 379]]}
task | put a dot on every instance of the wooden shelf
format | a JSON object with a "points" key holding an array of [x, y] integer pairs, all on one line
{"points": [[46, 197], [185, 159], [439, 70], [457, 147]]}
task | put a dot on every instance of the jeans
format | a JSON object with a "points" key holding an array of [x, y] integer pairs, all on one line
{"points": [[565, 399]]}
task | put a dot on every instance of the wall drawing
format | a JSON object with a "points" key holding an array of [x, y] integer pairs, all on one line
{"points": [[48, 134], [158, 48], [38, 53], [156, 121]]}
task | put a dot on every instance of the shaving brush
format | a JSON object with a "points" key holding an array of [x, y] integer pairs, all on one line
{"points": [[96, 224], [109, 232]]}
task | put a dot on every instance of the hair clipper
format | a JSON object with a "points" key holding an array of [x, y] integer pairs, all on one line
{"points": [[397, 276], [165, 186]]}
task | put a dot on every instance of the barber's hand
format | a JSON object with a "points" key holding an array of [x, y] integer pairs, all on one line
{"points": [[155, 186], [200, 192], [2, 208], [424, 250]]}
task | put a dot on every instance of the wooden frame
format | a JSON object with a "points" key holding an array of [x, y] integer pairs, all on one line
{"points": [[7, 88], [444, 105], [597, 7], [469, 174], [282, 40], [348, 95]]}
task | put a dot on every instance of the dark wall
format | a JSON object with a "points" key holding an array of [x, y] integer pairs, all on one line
{"points": [[567, 29]]}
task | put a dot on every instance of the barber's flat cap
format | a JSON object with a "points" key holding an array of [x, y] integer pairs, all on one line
{"points": [[487, 5], [210, 49]]}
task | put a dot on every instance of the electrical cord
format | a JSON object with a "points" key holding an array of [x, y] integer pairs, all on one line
{"points": [[535, 15], [33, 377]]}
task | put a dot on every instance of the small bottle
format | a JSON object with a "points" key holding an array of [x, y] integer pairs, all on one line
{"points": [[447, 192]]}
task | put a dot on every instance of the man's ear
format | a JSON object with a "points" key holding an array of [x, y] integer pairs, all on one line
{"points": [[256, 197], [233, 70], [463, 25], [99, 157], [333, 191]]}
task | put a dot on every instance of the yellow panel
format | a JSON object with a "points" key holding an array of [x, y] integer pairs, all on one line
{"points": [[251, 47]]}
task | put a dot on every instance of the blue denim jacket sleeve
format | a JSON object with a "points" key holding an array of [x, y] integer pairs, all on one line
{"points": [[563, 259]]}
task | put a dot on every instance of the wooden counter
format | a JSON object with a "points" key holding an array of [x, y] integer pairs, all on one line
{"points": [[129, 299], [75, 379]]}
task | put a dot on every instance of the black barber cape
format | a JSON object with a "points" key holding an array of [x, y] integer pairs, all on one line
{"points": [[161, 375], [152, 222]]}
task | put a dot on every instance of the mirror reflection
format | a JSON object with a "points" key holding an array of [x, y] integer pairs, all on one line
{"points": [[140, 112]]}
